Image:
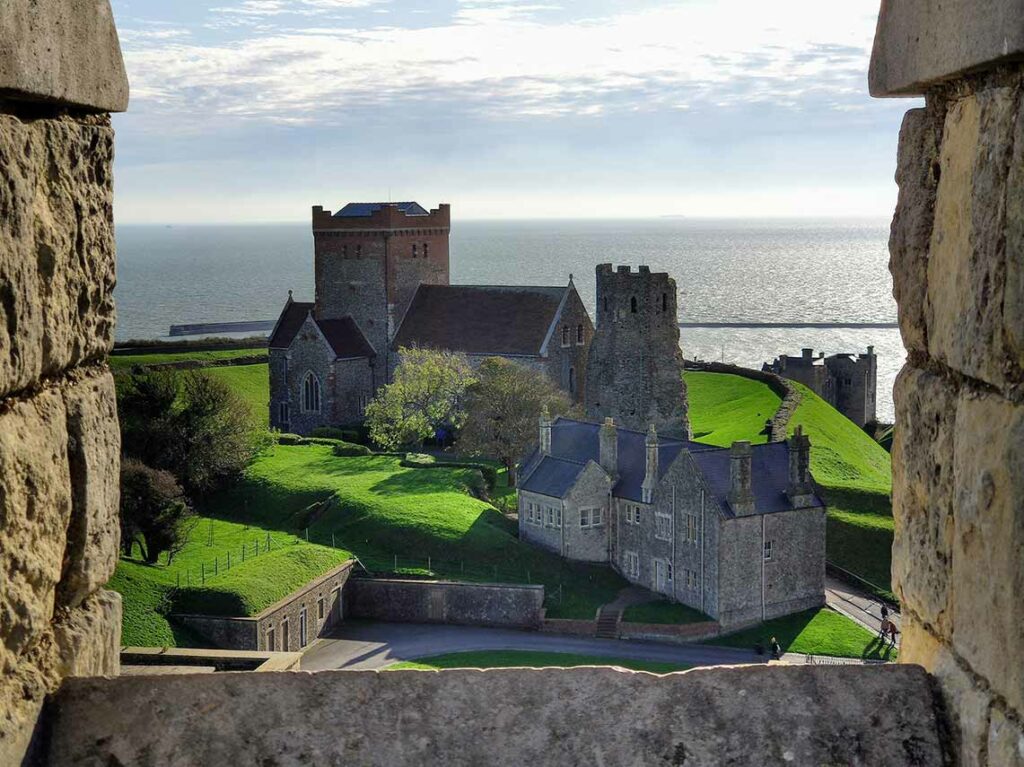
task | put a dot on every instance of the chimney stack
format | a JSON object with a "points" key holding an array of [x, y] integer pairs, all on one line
{"points": [[608, 450], [741, 491], [651, 471], [545, 431], [800, 488]]}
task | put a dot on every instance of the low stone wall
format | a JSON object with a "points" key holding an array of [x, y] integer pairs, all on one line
{"points": [[279, 627], [662, 632], [468, 604], [785, 389], [578, 628], [800, 715]]}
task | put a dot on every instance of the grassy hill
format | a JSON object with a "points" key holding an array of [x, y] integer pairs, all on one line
{"points": [[150, 591], [418, 519], [251, 383], [725, 408], [119, 361]]}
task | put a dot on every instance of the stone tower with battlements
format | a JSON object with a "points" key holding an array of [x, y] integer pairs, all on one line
{"points": [[635, 365], [369, 260]]}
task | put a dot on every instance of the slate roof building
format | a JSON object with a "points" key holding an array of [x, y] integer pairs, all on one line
{"points": [[382, 283], [737, 533], [848, 382]]}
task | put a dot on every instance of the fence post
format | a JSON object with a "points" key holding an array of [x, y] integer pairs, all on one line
{"points": [[202, 566]]}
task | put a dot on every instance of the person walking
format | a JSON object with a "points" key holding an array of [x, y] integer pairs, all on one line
{"points": [[885, 611], [893, 631], [776, 649]]}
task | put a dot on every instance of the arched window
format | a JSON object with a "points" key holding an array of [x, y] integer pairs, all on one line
{"points": [[572, 380], [311, 394], [632, 304]]}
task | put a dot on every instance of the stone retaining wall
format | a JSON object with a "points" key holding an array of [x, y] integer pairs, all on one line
{"points": [[468, 604], [957, 260], [663, 632], [60, 72]]}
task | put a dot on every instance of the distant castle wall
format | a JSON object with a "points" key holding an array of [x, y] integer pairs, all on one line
{"points": [[635, 365], [849, 383]]}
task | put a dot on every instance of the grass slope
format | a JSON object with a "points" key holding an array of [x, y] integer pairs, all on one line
{"points": [[855, 473], [118, 361], [532, 659], [813, 632], [663, 611], [251, 383], [148, 591], [725, 408], [381, 511]]}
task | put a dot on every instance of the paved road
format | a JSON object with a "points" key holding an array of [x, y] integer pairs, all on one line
{"points": [[371, 645], [857, 605]]}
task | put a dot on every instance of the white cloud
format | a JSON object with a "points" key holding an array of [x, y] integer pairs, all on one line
{"points": [[499, 59]]}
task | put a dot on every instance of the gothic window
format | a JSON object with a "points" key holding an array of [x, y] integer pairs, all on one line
{"points": [[572, 380], [311, 394], [632, 304], [579, 335], [565, 335]]}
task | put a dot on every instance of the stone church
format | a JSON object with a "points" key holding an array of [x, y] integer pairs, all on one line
{"points": [[737, 533], [382, 284]]}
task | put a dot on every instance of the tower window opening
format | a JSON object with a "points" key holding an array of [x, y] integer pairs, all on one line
{"points": [[632, 304], [415, 247], [426, 250], [664, 302]]}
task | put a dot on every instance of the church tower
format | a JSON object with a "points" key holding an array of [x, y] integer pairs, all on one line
{"points": [[369, 259], [635, 365]]}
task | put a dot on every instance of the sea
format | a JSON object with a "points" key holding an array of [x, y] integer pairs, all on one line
{"points": [[739, 271]]}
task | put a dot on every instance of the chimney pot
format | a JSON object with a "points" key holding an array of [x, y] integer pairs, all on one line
{"points": [[741, 492]]}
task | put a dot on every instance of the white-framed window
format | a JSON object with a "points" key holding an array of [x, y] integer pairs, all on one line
{"points": [[554, 516], [631, 564], [691, 579], [565, 335], [691, 528], [311, 393], [632, 513], [768, 545], [579, 335], [663, 527], [596, 517], [584, 517]]}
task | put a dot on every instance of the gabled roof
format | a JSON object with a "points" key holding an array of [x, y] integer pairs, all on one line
{"points": [[573, 443], [553, 476], [343, 335], [366, 209], [480, 319], [579, 442], [292, 317], [769, 471]]}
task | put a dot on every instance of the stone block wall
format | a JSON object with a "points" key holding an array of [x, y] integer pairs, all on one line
{"points": [[467, 604], [957, 259], [59, 437]]}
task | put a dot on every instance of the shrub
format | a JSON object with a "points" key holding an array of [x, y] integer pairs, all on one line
{"points": [[421, 461], [289, 439], [348, 449], [331, 432]]}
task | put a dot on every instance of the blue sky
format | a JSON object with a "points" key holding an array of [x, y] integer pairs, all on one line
{"points": [[254, 110]]}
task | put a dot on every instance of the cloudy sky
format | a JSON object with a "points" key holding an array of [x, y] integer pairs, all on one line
{"points": [[254, 110]]}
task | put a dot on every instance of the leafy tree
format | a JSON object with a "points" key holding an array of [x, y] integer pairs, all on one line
{"points": [[504, 406], [425, 396], [188, 423], [154, 512]]}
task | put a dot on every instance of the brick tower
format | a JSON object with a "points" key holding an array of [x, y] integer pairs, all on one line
{"points": [[369, 258], [635, 365]]}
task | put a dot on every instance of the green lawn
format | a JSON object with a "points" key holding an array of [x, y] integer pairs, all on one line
{"points": [[118, 361], [423, 520], [149, 591], [813, 632], [532, 659], [663, 611], [725, 408], [251, 383]]}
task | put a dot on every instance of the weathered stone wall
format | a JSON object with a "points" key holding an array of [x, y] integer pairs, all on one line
{"points": [[59, 438], [539, 533], [800, 715], [566, 364], [957, 260], [587, 543], [468, 604]]}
